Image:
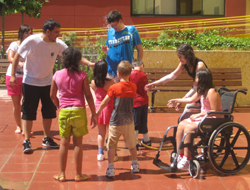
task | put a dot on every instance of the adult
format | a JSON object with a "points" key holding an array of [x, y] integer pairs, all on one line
{"points": [[40, 52], [188, 62], [120, 43], [16, 93]]}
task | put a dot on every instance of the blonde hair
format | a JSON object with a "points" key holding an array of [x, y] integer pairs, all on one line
{"points": [[124, 68]]}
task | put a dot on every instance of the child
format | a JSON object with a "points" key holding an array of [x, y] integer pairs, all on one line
{"points": [[210, 101], [121, 121], [16, 92], [72, 85], [100, 85], [140, 110]]}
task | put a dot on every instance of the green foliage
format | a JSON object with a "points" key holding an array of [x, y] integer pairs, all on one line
{"points": [[69, 38], [211, 39], [2, 79]]}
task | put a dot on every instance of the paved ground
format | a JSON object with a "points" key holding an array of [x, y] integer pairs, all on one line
{"points": [[35, 171]]}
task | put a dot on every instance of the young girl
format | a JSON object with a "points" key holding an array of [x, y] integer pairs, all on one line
{"points": [[210, 101], [16, 93], [100, 84], [72, 85]]}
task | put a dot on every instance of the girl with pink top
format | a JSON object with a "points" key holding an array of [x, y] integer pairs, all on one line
{"points": [[100, 84], [210, 101], [73, 85]]}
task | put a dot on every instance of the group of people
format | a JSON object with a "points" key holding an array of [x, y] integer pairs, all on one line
{"points": [[120, 86]]}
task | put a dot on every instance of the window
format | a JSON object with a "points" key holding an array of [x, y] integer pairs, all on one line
{"points": [[178, 7]]}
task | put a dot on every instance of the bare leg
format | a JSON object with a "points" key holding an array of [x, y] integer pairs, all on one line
{"points": [[46, 127], [189, 127], [111, 155], [63, 154], [133, 152], [78, 154], [17, 110], [179, 134], [27, 126], [101, 135]]}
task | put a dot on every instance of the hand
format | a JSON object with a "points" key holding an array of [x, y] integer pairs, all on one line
{"points": [[105, 49], [13, 81], [194, 116], [21, 63], [93, 121], [177, 107], [148, 87], [171, 103], [92, 65]]}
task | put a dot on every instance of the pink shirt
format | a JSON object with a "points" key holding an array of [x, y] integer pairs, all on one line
{"points": [[70, 87]]}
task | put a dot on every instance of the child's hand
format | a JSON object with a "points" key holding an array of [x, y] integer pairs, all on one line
{"points": [[194, 116], [171, 103], [93, 121], [177, 107]]}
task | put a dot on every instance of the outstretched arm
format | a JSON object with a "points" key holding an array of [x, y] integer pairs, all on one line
{"points": [[192, 99], [86, 62], [104, 103], [166, 78]]}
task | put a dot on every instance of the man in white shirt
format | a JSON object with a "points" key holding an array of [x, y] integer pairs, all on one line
{"points": [[40, 52]]}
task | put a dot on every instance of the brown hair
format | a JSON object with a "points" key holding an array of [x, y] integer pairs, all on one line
{"points": [[124, 68]]}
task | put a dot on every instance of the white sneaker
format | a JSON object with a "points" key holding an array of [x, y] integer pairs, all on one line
{"points": [[116, 158], [100, 157], [179, 158], [110, 172], [135, 168], [183, 164]]}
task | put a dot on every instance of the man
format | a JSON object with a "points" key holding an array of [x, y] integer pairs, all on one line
{"points": [[120, 43], [40, 52]]}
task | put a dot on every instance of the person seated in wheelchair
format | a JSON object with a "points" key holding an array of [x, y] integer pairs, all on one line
{"points": [[210, 101]]}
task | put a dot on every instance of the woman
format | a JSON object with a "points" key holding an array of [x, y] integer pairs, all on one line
{"points": [[188, 62], [16, 92]]}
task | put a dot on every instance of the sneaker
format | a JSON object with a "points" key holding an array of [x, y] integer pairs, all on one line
{"points": [[49, 142], [110, 172], [100, 157], [148, 143], [27, 147], [183, 164], [179, 158], [135, 168]]}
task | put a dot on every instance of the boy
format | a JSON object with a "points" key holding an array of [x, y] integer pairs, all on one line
{"points": [[140, 110], [121, 121]]}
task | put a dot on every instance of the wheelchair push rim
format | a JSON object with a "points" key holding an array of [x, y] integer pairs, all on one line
{"points": [[228, 149]]}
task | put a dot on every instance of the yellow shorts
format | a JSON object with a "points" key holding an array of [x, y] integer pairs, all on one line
{"points": [[127, 131], [72, 121]]}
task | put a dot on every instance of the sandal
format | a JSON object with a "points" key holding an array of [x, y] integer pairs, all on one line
{"points": [[31, 133], [59, 177], [82, 177]]}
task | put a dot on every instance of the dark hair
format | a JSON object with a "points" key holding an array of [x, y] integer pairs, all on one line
{"points": [[124, 68], [50, 24], [100, 73], [188, 53], [71, 58], [114, 16], [23, 29], [137, 62], [205, 81]]}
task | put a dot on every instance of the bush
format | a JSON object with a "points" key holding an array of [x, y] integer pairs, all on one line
{"points": [[206, 40]]}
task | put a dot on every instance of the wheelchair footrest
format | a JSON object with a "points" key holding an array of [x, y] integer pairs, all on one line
{"points": [[163, 165]]}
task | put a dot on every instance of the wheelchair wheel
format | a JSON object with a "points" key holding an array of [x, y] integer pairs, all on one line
{"points": [[228, 148], [194, 168]]}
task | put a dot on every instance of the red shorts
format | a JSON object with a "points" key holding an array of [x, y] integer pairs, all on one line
{"points": [[18, 87]]}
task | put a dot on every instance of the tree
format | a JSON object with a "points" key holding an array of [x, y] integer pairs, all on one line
{"points": [[30, 7]]}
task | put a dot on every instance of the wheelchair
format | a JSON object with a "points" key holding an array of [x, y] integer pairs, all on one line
{"points": [[222, 142]]}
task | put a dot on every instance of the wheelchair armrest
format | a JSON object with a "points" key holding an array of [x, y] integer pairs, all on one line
{"points": [[218, 113], [242, 91], [194, 107]]}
